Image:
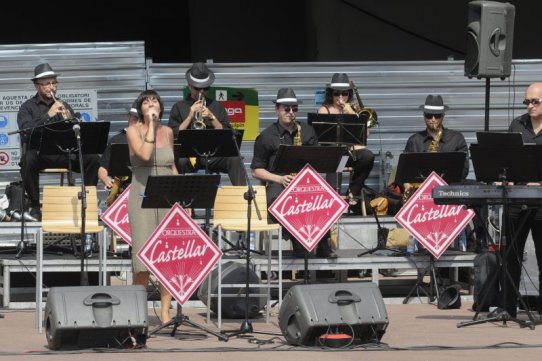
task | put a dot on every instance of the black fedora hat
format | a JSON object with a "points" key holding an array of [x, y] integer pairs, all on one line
{"points": [[340, 81], [44, 71], [434, 105], [286, 96], [200, 76]]}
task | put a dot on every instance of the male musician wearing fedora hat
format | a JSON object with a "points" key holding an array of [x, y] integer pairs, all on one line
{"points": [[44, 107], [435, 137], [266, 146], [198, 106]]}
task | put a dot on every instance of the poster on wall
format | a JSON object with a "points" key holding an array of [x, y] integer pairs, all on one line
{"points": [[84, 101], [241, 105]]}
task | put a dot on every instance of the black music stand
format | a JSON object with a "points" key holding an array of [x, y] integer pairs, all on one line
{"points": [[339, 128], [415, 168], [505, 164], [60, 140], [291, 159], [189, 191], [205, 144]]}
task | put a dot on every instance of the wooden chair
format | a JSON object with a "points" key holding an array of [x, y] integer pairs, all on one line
{"points": [[230, 215], [61, 213], [62, 171]]}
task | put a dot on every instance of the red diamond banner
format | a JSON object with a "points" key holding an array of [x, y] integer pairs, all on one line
{"points": [[308, 207], [179, 254], [116, 216], [434, 226]]}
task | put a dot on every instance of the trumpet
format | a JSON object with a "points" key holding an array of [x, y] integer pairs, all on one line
{"points": [[359, 108], [199, 121], [66, 114]]}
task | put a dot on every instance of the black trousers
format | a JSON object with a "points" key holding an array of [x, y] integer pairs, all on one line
{"points": [[515, 249], [33, 163]]}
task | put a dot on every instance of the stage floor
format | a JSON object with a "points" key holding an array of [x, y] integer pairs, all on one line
{"points": [[415, 332]]}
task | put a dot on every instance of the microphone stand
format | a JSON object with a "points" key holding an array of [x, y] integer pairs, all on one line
{"points": [[83, 196], [249, 196]]}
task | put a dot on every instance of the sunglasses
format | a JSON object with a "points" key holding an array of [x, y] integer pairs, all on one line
{"points": [[429, 116], [532, 101], [287, 108], [200, 89], [343, 93]]}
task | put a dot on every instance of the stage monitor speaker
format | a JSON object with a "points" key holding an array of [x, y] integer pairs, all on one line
{"points": [[96, 316], [310, 313], [490, 38], [233, 306]]}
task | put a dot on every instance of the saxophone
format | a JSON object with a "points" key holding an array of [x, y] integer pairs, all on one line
{"points": [[118, 185], [432, 148], [297, 138]]}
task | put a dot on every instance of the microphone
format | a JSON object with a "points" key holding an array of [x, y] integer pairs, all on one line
{"points": [[77, 130], [154, 118]]}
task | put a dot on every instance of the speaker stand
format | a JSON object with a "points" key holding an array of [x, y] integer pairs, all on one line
{"points": [[180, 319]]}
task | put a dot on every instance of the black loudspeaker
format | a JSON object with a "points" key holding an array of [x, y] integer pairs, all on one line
{"points": [[312, 312], [96, 316], [490, 38], [233, 307]]}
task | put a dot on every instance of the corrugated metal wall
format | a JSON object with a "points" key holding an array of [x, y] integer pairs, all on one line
{"points": [[116, 70], [394, 89], [119, 71]]}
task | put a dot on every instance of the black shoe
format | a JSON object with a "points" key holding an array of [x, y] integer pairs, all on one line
{"points": [[35, 213]]}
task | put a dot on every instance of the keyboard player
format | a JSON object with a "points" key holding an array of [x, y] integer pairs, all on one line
{"points": [[530, 127]]}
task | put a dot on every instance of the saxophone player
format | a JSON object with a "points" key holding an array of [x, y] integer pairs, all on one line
{"points": [[198, 111], [435, 137], [286, 130], [119, 138]]}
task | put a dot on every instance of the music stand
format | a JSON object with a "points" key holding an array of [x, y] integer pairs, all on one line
{"points": [[339, 128], [196, 190], [415, 168], [514, 164], [60, 140], [206, 144], [292, 158]]}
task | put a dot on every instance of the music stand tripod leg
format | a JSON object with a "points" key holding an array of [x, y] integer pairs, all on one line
{"points": [[180, 319]]}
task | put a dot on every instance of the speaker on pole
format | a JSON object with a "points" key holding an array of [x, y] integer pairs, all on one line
{"points": [[232, 306], [315, 314], [96, 316], [490, 38]]}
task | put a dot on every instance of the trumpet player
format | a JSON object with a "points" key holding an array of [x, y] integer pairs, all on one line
{"points": [[44, 107], [339, 99], [120, 138], [198, 111]]}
